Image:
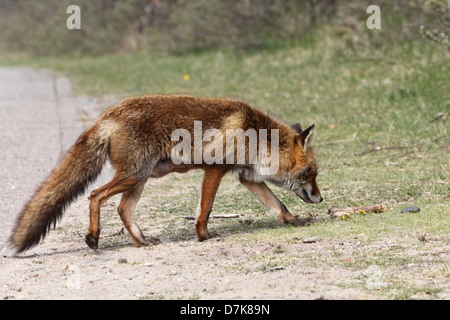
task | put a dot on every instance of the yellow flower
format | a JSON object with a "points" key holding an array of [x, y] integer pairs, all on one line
{"points": [[186, 77], [346, 216], [361, 212]]}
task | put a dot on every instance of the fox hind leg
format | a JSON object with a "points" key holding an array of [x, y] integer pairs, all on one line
{"points": [[126, 210], [117, 185]]}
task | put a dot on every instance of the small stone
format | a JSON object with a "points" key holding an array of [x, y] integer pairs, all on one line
{"points": [[411, 209], [311, 240], [123, 260]]}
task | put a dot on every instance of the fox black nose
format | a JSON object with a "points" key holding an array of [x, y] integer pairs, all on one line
{"points": [[321, 199]]}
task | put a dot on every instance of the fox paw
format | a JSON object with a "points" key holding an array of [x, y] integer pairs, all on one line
{"points": [[144, 242], [300, 222], [207, 235], [91, 241], [151, 240]]}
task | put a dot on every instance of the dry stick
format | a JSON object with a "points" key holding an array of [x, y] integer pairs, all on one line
{"points": [[405, 154], [339, 212], [441, 116], [115, 234]]}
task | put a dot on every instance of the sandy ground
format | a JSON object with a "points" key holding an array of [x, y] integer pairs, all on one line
{"points": [[61, 269], [42, 118]]}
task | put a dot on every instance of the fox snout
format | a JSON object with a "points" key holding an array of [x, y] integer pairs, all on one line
{"points": [[310, 193]]}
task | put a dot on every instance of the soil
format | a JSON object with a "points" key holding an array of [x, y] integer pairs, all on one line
{"points": [[63, 267]]}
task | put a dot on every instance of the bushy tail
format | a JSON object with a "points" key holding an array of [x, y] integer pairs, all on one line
{"points": [[80, 166]]}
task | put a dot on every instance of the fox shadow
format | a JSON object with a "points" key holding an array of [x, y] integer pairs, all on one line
{"points": [[222, 228]]}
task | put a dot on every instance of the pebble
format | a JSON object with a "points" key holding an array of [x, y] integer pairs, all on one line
{"points": [[122, 260], [311, 240]]}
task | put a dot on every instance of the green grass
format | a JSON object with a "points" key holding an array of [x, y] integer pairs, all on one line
{"points": [[376, 143]]}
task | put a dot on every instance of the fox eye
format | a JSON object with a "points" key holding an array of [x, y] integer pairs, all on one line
{"points": [[303, 175]]}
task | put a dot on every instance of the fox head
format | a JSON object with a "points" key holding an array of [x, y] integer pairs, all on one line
{"points": [[301, 176]]}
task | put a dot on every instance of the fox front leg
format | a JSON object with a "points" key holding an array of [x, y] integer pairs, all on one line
{"points": [[262, 192], [211, 180]]}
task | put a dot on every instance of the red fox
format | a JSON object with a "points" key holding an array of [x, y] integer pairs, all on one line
{"points": [[140, 136]]}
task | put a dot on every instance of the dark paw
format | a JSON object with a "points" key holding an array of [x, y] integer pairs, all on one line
{"points": [[144, 242], [207, 235], [151, 240], [91, 241], [300, 222]]}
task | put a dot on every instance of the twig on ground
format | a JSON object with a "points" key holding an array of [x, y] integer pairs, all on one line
{"points": [[405, 154], [115, 234], [441, 116]]}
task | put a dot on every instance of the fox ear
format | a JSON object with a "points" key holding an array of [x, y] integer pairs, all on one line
{"points": [[297, 127], [307, 136]]}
